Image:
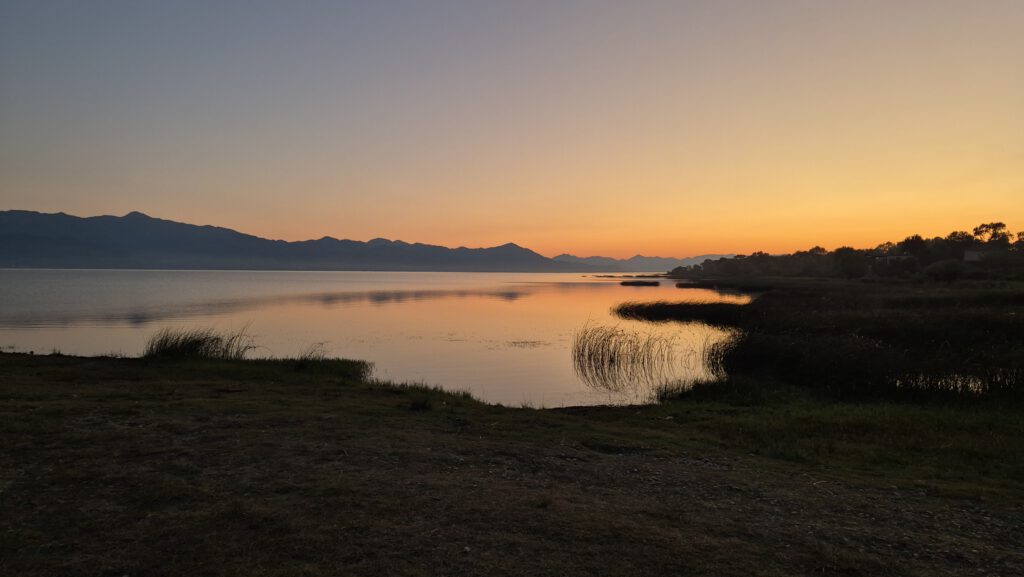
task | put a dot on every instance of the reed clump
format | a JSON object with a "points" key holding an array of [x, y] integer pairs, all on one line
{"points": [[199, 343], [616, 359]]}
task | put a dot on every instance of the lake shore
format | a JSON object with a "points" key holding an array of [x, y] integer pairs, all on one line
{"points": [[505, 337], [143, 467]]}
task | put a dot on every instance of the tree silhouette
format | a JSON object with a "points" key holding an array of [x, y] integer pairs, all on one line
{"points": [[992, 232], [939, 258], [850, 262], [915, 246]]}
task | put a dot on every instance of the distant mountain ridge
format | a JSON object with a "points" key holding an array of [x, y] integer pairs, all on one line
{"points": [[638, 263], [40, 240]]}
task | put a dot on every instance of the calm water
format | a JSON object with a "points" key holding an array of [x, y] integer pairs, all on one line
{"points": [[507, 338]]}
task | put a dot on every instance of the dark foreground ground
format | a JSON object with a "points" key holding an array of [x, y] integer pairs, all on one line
{"points": [[133, 467]]}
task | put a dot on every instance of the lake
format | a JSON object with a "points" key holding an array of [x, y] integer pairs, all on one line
{"points": [[505, 337]]}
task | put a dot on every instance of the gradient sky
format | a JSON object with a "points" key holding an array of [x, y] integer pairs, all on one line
{"points": [[593, 127]]}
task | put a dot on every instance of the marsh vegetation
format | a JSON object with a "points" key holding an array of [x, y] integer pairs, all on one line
{"points": [[858, 340]]}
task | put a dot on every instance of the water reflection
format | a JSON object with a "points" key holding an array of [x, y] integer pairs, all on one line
{"points": [[219, 307], [148, 314], [507, 338]]}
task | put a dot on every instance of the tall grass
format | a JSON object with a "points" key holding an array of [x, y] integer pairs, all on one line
{"points": [[199, 343], [313, 353], [620, 360]]}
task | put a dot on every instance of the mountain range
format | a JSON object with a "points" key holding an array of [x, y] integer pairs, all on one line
{"points": [[638, 263], [39, 240]]}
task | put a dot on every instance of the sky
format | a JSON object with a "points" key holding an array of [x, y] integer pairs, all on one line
{"points": [[668, 128]]}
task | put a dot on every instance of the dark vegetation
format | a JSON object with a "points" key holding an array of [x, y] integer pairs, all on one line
{"points": [[937, 320], [990, 251], [726, 314], [640, 283], [854, 340], [174, 467]]}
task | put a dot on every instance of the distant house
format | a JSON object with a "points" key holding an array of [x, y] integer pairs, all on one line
{"points": [[980, 255]]}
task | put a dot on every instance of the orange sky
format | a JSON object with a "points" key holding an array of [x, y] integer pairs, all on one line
{"points": [[590, 127]]}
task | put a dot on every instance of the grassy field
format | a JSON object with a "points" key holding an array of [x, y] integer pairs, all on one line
{"points": [[224, 467]]}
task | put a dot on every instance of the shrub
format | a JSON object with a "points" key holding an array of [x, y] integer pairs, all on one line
{"points": [[947, 270]]}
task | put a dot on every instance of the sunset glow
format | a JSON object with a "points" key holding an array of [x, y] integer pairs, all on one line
{"points": [[660, 128]]}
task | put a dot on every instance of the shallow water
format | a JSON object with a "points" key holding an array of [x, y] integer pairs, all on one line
{"points": [[507, 338]]}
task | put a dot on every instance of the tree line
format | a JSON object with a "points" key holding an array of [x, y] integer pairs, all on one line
{"points": [[990, 250]]}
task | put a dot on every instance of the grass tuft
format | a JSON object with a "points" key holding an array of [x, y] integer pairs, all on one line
{"points": [[314, 353], [200, 343]]}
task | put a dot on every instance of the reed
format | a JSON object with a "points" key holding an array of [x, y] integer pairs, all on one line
{"points": [[620, 360], [199, 343]]}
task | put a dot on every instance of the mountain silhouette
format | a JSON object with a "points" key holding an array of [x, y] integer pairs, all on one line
{"points": [[637, 263], [38, 240]]}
